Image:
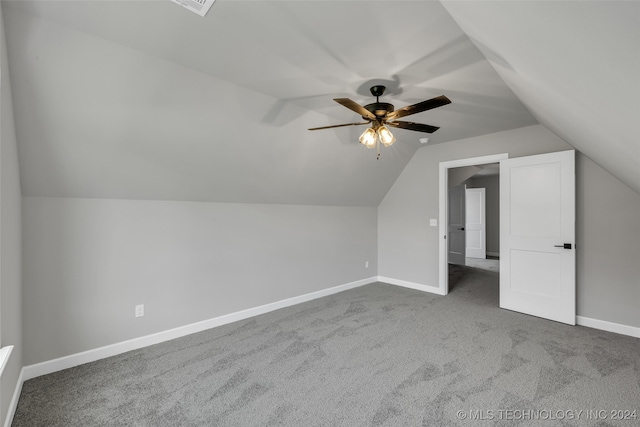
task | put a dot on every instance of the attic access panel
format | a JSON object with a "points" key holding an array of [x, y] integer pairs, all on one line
{"points": [[200, 7]]}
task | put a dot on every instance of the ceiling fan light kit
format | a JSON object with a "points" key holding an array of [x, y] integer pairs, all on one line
{"points": [[382, 114], [368, 138], [377, 133], [386, 137]]}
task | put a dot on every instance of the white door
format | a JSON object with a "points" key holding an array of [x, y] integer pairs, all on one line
{"points": [[455, 225], [537, 236], [476, 223]]}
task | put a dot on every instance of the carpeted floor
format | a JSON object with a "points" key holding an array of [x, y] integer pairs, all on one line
{"points": [[488, 264], [377, 355]]}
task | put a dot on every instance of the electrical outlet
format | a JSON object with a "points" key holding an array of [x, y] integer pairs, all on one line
{"points": [[433, 222], [140, 310], [366, 264]]}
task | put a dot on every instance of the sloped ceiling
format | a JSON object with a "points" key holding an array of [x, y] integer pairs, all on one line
{"points": [[146, 100], [575, 65]]}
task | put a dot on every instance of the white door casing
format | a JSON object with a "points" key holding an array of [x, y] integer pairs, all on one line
{"points": [[456, 223], [476, 223], [443, 186], [537, 219]]}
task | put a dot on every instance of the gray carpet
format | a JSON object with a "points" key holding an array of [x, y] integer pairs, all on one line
{"points": [[488, 264], [378, 355]]}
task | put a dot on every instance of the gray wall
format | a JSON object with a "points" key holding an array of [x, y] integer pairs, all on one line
{"points": [[88, 262], [491, 184], [407, 245], [607, 230], [457, 176], [607, 246], [10, 247]]}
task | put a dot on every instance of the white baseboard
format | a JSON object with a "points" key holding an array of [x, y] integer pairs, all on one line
{"points": [[48, 367], [411, 285], [55, 365], [13, 405], [618, 328]]}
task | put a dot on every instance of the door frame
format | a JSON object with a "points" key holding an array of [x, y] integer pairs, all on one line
{"points": [[443, 269]]}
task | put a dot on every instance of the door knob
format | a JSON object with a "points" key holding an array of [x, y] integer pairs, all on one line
{"points": [[565, 246], [462, 229]]}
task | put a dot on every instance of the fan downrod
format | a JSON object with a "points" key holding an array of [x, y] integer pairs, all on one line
{"points": [[379, 109], [377, 91]]}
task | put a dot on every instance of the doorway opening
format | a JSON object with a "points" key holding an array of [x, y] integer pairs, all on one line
{"points": [[455, 178], [537, 233], [473, 224]]}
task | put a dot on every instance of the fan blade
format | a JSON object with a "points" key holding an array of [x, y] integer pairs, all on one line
{"points": [[354, 106], [436, 102], [414, 126], [339, 126]]}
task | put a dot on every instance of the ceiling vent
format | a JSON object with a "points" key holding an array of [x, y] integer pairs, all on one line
{"points": [[201, 7]]}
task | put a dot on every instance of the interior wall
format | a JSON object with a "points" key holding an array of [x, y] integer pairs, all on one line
{"points": [[457, 176], [408, 246], [10, 246], [88, 262], [607, 246], [491, 184], [607, 233]]}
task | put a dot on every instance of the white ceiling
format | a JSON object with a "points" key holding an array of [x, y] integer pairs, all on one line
{"points": [[146, 100], [575, 65]]}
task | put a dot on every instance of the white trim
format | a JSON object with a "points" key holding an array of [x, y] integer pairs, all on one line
{"points": [[32, 371], [13, 405], [5, 352], [443, 279], [618, 328], [496, 254], [55, 365], [410, 285]]}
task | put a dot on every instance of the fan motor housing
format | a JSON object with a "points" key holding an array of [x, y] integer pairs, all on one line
{"points": [[379, 109]]}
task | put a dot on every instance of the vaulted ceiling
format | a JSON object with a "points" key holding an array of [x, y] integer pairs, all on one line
{"points": [[575, 66], [146, 100]]}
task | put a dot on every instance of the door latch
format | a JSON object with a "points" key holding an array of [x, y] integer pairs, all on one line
{"points": [[565, 246]]}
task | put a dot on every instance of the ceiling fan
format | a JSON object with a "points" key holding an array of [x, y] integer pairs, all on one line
{"points": [[382, 114]]}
